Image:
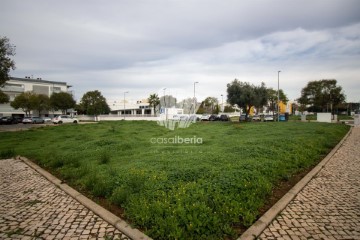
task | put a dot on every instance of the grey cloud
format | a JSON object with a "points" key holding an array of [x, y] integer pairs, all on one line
{"points": [[144, 45]]}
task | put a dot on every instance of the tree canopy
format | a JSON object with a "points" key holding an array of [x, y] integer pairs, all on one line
{"points": [[3, 97], [246, 95], [322, 95], [94, 103], [62, 101], [39, 102], [6, 64], [272, 96], [154, 101], [29, 101], [210, 105], [24, 102]]}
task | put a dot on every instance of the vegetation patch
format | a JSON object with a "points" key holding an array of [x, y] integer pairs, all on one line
{"points": [[180, 191]]}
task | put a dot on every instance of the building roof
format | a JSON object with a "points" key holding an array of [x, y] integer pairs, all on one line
{"points": [[37, 80]]}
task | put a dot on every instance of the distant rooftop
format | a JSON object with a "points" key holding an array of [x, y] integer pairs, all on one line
{"points": [[38, 80]]}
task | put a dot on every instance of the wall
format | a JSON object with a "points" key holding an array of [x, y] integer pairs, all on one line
{"points": [[324, 117]]}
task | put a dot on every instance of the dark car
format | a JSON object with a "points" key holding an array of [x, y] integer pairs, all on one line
{"points": [[213, 117], [224, 117], [19, 119], [242, 118], [8, 120]]}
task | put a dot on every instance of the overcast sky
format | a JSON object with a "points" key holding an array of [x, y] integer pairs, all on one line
{"points": [[143, 46]]}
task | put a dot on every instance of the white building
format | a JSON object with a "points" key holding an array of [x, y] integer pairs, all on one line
{"points": [[16, 86], [130, 107]]}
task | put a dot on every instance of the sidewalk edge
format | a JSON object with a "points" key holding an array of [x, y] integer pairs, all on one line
{"points": [[259, 226], [117, 222]]}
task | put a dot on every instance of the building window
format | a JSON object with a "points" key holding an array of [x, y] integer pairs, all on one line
{"points": [[41, 89], [56, 89]]}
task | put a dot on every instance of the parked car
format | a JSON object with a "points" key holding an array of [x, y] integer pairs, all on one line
{"points": [[213, 117], [26, 120], [19, 119], [47, 119], [242, 118], [268, 118], [256, 118], [64, 119], [224, 117], [37, 120], [8, 120], [32, 120], [205, 117]]}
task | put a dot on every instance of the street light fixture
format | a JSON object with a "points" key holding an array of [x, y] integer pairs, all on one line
{"points": [[124, 104], [194, 97], [278, 93]]}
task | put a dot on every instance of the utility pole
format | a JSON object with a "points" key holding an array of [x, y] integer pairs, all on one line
{"points": [[278, 96], [194, 97]]}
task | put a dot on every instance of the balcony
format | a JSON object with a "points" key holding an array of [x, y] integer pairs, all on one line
{"points": [[12, 89]]}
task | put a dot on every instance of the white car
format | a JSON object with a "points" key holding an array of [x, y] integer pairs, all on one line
{"points": [[64, 119], [205, 117], [268, 118]]}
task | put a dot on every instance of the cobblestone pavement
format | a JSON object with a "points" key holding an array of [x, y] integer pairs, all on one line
{"points": [[33, 208], [329, 205]]}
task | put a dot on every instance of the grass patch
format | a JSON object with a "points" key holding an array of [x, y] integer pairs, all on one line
{"points": [[179, 191], [7, 153]]}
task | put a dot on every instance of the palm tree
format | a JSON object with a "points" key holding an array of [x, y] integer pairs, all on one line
{"points": [[154, 101]]}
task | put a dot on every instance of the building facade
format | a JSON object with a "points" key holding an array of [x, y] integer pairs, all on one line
{"points": [[130, 107], [16, 86]]}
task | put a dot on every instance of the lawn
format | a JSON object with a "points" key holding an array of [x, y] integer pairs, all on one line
{"points": [[200, 190]]}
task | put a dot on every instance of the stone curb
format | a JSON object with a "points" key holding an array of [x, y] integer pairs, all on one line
{"points": [[109, 217], [260, 225]]}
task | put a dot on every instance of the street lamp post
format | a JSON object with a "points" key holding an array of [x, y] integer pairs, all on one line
{"points": [[278, 96], [194, 97], [222, 103], [124, 104], [165, 104], [164, 97]]}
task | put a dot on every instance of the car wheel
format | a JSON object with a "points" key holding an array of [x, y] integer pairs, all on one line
{"points": [[60, 122], [75, 121]]}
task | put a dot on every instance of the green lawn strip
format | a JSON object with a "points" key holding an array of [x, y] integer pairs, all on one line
{"points": [[184, 191]]}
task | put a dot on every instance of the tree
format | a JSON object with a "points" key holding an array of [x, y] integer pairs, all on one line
{"points": [[246, 95], [62, 101], [210, 105], [229, 109], [94, 103], [154, 101], [273, 98], [187, 105], [23, 101], [322, 95], [6, 64], [3, 97], [168, 101], [39, 102]]}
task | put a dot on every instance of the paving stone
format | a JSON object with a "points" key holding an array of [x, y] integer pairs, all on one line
{"points": [[329, 205], [36, 207]]}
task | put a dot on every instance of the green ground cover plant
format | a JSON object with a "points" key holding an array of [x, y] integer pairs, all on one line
{"points": [[178, 191]]}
